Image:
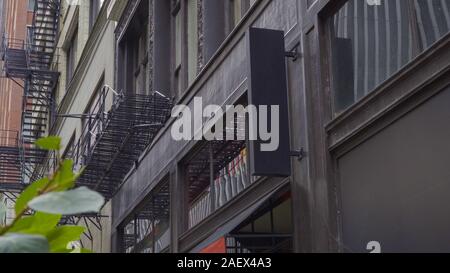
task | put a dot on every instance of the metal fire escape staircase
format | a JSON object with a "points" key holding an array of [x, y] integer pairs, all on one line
{"points": [[112, 141], [31, 62], [10, 167], [114, 136]]}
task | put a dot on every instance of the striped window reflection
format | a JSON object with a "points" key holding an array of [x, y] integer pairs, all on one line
{"points": [[369, 43], [229, 183]]}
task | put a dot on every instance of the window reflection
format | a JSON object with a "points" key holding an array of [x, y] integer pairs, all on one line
{"points": [[149, 230], [369, 43]]}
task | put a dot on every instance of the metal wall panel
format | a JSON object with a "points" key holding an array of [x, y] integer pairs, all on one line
{"points": [[395, 186]]}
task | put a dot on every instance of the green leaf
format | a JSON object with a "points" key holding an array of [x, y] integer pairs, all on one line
{"points": [[29, 193], [51, 143], [44, 222], [23, 243], [65, 178], [78, 201], [60, 237], [85, 250], [62, 251], [22, 225], [40, 223], [73, 251]]}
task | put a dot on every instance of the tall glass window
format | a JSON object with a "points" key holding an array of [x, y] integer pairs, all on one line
{"points": [[71, 53], [218, 171], [192, 38], [371, 42], [178, 35], [148, 230]]}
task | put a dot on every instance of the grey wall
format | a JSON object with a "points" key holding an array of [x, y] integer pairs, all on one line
{"points": [[395, 187]]}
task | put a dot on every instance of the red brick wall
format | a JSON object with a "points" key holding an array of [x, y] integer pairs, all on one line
{"points": [[17, 17]]}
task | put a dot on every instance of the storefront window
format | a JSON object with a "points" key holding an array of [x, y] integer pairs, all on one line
{"points": [[265, 227], [370, 43], [230, 174], [218, 172], [148, 231], [268, 230]]}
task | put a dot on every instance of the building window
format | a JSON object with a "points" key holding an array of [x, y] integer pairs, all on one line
{"points": [[193, 11], [94, 10], [133, 53], [161, 52], [217, 172], [237, 10], [29, 34], [216, 20], [214, 183], [141, 63], [91, 121], [71, 54], [268, 230], [264, 227], [148, 229], [188, 42], [178, 40], [370, 43], [69, 152]]}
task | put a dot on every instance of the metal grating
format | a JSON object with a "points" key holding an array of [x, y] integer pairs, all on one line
{"points": [[10, 167], [112, 142], [199, 167]]}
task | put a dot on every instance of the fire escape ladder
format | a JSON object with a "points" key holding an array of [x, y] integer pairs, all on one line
{"points": [[31, 61]]}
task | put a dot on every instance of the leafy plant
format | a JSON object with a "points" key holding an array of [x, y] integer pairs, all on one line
{"points": [[40, 207]]}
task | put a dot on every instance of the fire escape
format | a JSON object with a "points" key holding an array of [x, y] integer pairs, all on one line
{"points": [[29, 63], [115, 135]]}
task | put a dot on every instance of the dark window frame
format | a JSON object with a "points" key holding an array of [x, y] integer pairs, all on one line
{"points": [[71, 60]]}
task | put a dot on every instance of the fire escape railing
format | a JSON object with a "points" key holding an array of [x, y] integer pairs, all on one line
{"points": [[10, 171], [113, 138], [30, 61]]}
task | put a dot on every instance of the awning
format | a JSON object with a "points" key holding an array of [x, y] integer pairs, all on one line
{"points": [[233, 223]]}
